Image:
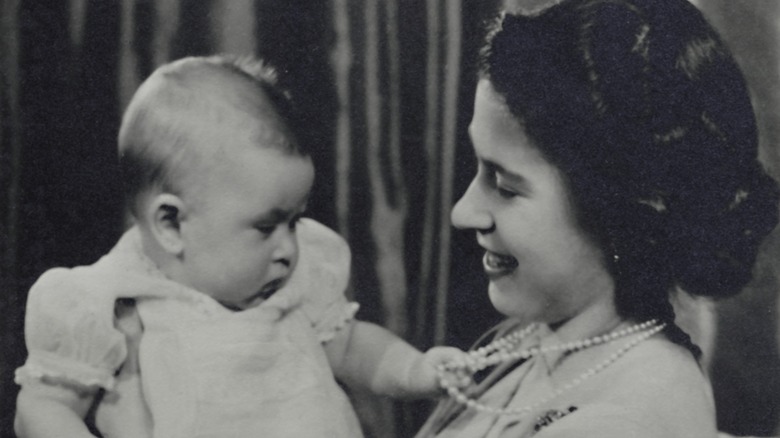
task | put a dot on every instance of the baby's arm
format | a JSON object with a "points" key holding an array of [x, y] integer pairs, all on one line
{"points": [[51, 410], [44, 410], [48, 408], [360, 353], [372, 357]]}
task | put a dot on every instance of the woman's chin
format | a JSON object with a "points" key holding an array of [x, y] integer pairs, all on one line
{"points": [[507, 300]]}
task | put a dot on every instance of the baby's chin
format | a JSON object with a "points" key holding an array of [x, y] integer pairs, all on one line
{"points": [[257, 298], [270, 288], [267, 291]]}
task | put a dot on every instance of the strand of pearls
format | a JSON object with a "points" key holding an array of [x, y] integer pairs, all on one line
{"points": [[504, 343], [499, 351], [646, 329]]}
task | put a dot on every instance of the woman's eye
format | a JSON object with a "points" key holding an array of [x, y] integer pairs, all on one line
{"points": [[503, 190], [505, 193]]}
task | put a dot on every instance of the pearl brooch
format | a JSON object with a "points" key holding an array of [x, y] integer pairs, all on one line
{"points": [[497, 352]]}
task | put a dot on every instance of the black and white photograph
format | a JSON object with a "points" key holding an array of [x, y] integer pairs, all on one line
{"points": [[390, 218]]}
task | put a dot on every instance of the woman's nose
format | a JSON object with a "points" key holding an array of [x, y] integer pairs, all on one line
{"points": [[470, 211]]}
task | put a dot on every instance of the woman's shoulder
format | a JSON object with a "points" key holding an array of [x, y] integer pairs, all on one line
{"points": [[664, 364], [657, 387], [655, 390]]}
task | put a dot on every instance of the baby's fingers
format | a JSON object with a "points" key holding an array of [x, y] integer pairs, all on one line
{"points": [[448, 356], [451, 365]]}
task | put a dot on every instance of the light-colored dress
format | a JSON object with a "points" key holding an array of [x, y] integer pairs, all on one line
{"points": [[206, 371], [655, 390]]}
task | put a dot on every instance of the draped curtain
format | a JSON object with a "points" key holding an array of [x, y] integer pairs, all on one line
{"points": [[386, 89]]}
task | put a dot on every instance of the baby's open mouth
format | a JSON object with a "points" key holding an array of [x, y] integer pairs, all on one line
{"points": [[270, 288], [498, 263]]}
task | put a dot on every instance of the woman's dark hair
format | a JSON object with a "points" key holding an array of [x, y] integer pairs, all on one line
{"points": [[645, 112]]}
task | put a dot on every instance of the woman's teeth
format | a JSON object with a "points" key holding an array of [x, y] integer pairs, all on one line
{"points": [[495, 263]]}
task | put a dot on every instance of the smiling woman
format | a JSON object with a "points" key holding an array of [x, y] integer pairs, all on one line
{"points": [[617, 166], [541, 265]]}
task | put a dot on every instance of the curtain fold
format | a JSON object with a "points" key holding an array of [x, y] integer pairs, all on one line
{"points": [[10, 190], [341, 63], [10, 131]]}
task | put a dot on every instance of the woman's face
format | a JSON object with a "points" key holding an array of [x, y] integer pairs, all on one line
{"points": [[541, 265]]}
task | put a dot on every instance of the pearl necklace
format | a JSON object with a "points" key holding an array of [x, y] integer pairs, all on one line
{"points": [[499, 350], [496, 352]]}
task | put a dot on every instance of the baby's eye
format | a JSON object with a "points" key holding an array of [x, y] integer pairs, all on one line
{"points": [[266, 230]]}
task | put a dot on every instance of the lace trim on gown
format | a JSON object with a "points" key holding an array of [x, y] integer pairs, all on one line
{"points": [[335, 322], [45, 367]]}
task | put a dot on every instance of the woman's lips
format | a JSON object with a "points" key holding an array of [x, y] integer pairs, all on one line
{"points": [[498, 264]]}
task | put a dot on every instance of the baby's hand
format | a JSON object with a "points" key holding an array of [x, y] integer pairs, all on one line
{"points": [[435, 364]]}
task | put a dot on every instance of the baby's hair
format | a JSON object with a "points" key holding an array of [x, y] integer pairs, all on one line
{"points": [[155, 135]]}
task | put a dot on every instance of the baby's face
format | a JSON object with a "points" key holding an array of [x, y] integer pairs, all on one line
{"points": [[239, 235]]}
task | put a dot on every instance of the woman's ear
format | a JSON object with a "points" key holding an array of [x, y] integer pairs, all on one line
{"points": [[164, 214]]}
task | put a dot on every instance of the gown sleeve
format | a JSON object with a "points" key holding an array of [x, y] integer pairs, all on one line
{"points": [[323, 275], [69, 330]]}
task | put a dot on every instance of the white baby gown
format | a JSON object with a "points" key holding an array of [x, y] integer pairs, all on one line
{"points": [[206, 371]]}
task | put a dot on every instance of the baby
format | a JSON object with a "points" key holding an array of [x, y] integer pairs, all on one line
{"points": [[221, 312]]}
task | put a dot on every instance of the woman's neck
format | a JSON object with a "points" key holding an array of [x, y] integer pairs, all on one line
{"points": [[592, 321]]}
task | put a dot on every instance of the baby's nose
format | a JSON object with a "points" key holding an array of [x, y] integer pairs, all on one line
{"points": [[287, 247]]}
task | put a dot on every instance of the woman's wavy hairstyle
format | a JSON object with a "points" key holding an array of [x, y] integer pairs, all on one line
{"points": [[645, 112]]}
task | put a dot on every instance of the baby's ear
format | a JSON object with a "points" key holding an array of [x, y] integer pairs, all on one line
{"points": [[164, 214]]}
